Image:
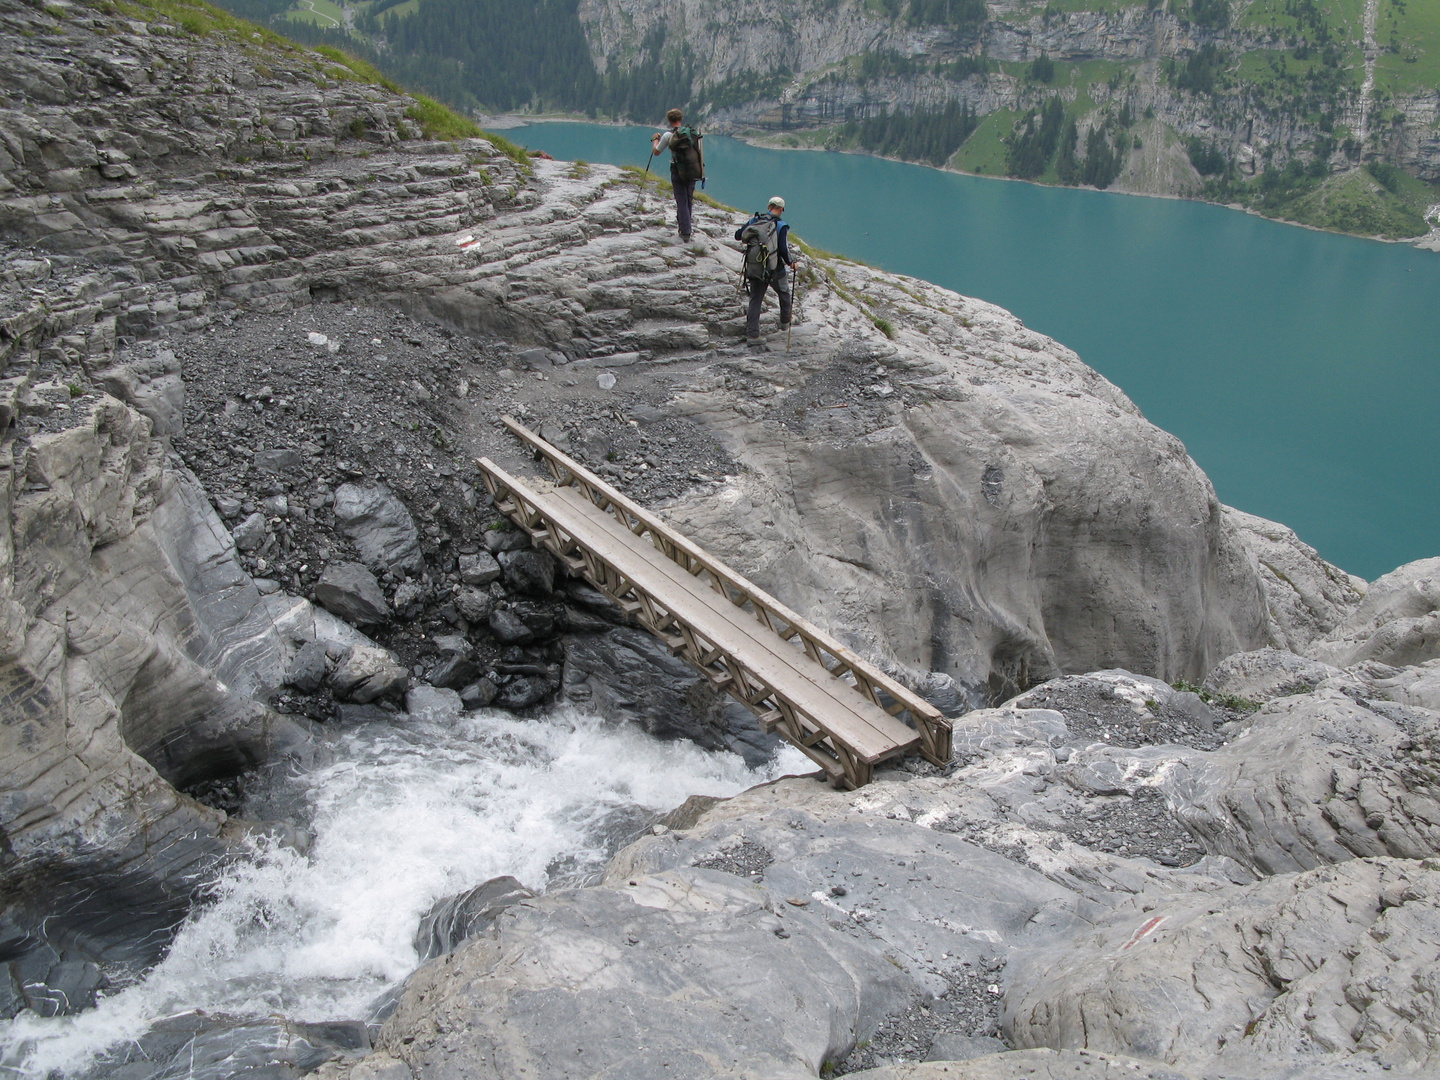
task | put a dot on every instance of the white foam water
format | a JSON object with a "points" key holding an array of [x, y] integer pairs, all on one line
{"points": [[402, 816]]}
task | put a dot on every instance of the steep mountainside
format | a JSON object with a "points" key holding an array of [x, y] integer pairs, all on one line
{"points": [[1321, 111]]}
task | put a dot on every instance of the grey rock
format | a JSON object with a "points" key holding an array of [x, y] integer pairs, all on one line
{"points": [[153, 386], [454, 644], [250, 534], [478, 694], [349, 714], [1267, 674], [267, 586], [473, 605], [529, 572], [366, 673], [523, 691], [454, 672], [627, 675], [1043, 1064], [452, 920], [281, 462], [479, 569], [379, 526], [351, 591], [227, 507], [963, 1047], [432, 704], [409, 599], [695, 952], [1310, 968], [498, 540], [275, 506], [307, 670], [508, 629]]}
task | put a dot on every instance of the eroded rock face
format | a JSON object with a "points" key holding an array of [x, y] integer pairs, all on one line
{"points": [[133, 646], [1296, 971], [709, 962]]}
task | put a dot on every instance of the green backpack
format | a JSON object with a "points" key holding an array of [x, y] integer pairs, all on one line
{"points": [[685, 154]]}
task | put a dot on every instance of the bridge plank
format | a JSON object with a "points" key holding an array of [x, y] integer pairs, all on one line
{"points": [[870, 732]]}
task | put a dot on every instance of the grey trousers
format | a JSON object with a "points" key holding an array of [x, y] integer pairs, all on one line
{"points": [[781, 284]]}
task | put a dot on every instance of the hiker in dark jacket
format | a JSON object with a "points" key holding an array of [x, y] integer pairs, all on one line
{"points": [[767, 264], [687, 165]]}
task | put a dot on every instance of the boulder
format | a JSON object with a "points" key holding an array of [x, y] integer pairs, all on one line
{"points": [[506, 539], [308, 669], [1397, 624], [478, 694], [351, 591], [431, 704], [379, 526], [250, 534], [452, 920], [454, 672], [524, 691], [151, 385], [1267, 674], [710, 962], [474, 605], [508, 628], [529, 572], [365, 673], [479, 569]]}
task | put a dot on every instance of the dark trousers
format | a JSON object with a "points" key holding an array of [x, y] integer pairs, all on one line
{"points": [[781, 284], [684, 201]]}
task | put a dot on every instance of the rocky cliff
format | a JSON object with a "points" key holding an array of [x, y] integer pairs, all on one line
{"points": [[256, 326]]}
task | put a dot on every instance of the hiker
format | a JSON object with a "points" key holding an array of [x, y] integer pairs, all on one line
{"points": [[687, 164], [767, 264]]}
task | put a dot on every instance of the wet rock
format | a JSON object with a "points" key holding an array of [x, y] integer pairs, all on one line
{"points": [[478, 694], [366, 673], [432, 704], [250, 534], [351, 591], [201, 1047], [529, 572], [446, 925], [628, 674], [508, 629], [454, 672], [379, 526], [308, 669], [347, 714], [524, 691], [479, 569]]}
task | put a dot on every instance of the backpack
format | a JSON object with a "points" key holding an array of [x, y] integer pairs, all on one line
{"points": [[685, 154], [762, 248]]}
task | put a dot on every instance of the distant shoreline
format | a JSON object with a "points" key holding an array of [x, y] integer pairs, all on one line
{"points": [[509, 121]]}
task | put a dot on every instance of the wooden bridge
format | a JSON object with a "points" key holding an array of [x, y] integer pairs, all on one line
{"points": [[843, 712]]}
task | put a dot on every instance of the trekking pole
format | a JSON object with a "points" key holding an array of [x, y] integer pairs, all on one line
{"points": [[794, 310], [644, 181]]}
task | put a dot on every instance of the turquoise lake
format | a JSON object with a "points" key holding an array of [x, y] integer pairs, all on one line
{"points": [[1301, 369]]}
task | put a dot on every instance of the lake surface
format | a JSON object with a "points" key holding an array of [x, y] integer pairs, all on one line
{"points": [[1301, 369]]}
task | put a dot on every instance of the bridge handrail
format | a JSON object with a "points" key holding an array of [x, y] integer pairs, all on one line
{"points": [[933, 726]]}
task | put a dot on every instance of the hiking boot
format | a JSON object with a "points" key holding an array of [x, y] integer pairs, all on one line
{"points": [[785, 326], [755, 342]]}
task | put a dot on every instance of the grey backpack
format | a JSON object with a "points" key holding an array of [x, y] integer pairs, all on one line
{"points": [[762, 248]]}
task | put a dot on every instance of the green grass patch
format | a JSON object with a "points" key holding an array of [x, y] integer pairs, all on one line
{"points": [[1358, 203], [1408, 33], [984, 152], [322, 13], [352, 69], [201, 19], [439, 122]]}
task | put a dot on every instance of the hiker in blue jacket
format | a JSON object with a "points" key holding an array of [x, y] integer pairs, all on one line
{"points": [[767, 264]]}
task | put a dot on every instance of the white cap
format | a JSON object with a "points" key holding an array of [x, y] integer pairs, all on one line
{"points": [[777, 201]]}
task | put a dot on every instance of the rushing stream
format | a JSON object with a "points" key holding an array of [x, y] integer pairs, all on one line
{"points": [[401, 817]]}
